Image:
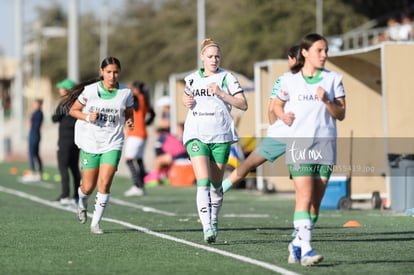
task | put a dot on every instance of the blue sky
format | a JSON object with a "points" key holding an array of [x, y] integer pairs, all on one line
{"points": [[8, 11]]}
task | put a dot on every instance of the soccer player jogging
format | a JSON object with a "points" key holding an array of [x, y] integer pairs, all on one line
{"points": [[209, 130], [101, 109], [270, 148], [310, 102]]}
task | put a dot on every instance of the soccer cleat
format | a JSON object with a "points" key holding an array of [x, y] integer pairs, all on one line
{"points": [[294, 254], [67, 201], [96, 229], [311, 258], [82, 215], [209, 236], [214, 227], [134, 192]]}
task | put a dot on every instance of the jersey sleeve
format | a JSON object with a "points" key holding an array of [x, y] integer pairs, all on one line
{"points": [[283, 91], [130, 99], [189, 80], [233, 84], [276, 87], [339, 87], [83, 97]]}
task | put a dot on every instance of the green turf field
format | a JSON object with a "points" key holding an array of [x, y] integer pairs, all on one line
{"points": [[160, 234]]}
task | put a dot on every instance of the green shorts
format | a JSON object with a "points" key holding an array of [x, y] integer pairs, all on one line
{"points": [[217, 152], [92, 161], [322, 170], [270, 148]]}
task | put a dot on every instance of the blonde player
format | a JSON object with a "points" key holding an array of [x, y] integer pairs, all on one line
{"points": [[209, 130]]}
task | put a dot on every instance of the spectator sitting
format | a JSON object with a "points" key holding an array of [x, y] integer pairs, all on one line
{"points": [[406, 28], [168, 149], [393, 29]]}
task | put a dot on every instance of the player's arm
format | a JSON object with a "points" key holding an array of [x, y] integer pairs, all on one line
{"points": [[129, 118], [76, 112], [279, 111], [271, 114], [336, 107]]}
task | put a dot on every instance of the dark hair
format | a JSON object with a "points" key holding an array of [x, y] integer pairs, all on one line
{"points": [[305, 44], [110, 60], [294, 52], [74, 93], [309, 39]]}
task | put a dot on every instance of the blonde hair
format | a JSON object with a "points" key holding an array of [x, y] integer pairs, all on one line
{"points": [[208, 42]]}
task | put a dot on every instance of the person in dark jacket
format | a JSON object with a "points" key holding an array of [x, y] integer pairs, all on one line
{"points": [[36, 166], [67, 151]]}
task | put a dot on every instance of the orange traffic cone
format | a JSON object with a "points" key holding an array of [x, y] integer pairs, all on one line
{"points": [[352, 224], [14, 171]]}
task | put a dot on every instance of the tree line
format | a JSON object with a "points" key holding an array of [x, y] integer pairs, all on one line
{"points": [[155, 41]]}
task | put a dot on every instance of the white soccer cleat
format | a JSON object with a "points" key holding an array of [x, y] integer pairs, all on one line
{"points": [[294, 254], [96, 229], [134, 192], [311, 258]]}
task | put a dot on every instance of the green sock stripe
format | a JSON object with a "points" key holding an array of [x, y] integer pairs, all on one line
{"points": [[314, 218], [203, 182], [301, 215], [216, 185]]}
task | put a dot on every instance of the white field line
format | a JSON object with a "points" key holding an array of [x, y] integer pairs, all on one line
{"points": [[141, 207], [172, 214], [241, 258]]}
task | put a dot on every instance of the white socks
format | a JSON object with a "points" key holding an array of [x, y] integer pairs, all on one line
{"points": [[204, 205], [100, 204], [216, 203], [83, 199], [304, 236]]}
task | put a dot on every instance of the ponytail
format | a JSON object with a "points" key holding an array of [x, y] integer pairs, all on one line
{"points": [[74, 93]]}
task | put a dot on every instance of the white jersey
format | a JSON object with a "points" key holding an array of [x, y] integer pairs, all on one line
{"points": [[313, 132], [276, 86], [210, 119], [278, 129], [107, 132]]}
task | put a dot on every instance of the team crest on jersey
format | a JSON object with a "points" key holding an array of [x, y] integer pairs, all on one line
{"points": [[195, 147]]}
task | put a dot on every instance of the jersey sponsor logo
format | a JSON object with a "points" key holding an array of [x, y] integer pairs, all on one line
{"points": [[202, 92], [307, 97], [106, 116], [204, 113]]}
